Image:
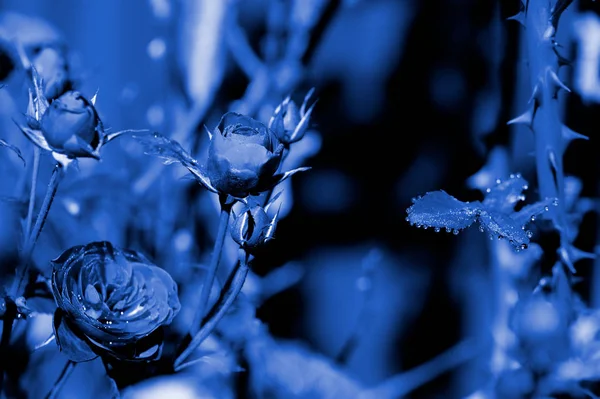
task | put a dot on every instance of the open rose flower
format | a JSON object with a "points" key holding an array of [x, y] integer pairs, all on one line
{"points": [[111, 302]]}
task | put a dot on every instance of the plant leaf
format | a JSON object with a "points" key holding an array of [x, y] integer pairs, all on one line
{"points": [[505, 194], [504, 226], [528, 212], [439, 209], [70, 344], [171, 151], [13, 149]]}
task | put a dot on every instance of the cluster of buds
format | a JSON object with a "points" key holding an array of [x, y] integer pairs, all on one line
{"points": [[290, 123]]}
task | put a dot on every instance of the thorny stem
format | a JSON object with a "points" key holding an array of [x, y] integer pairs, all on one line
{"points": [[232, 289], [57, 174], [210, 277], [34, 176], [62, 378]]}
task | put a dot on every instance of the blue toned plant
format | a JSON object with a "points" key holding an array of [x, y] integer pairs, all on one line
{"points": [[111, 302], [243, 159]]}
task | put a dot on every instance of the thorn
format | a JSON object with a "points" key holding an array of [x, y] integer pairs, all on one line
{"points": [[525, 118], [519, 17], [94, 98], [557, 83], [569, 134], [564, 256], [536, 94], [210, 136]]}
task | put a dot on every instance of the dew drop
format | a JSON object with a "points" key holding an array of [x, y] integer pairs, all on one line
{"points": [[518, 175], [500, 237], [455, 232], [498, 181], [488, 190], [546, 208], [413, 200], [491, 237], [418, 226], [425, 227], [529, 233], [407, 219], [512, 176], [448, 229], [532, 218], [555, 202], [481, 228], [437, 229], [525, 187], [523, 246]]}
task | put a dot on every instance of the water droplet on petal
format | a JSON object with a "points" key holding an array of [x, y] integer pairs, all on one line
{"points": [[523, 246], [546, 208], [437, 229], [418, 226], [518, 175], [488, 190], [407, 219], [498, 181], [512, 176], [413, 200], [455, 232], [529, 234], [555, 202], [532, 218], [525, 187], [448, 229], [481, 228]]}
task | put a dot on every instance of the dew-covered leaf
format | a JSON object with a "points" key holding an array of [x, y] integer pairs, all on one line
{"points": [[439, 209], [13, 149], [503, 226], [505, 194], [529, 212], [171, 151]]}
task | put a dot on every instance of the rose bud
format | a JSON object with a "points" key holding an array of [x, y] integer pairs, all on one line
{"points": [[253, 227], [290, 123], [72, 125], [111, 302], [243, 156]]}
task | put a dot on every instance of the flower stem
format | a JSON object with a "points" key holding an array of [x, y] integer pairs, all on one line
{"points": [[57, 174], [34, 176], [62, 378], [232, 289], [214, 263]]}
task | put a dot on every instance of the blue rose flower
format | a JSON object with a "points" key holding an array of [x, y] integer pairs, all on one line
{"points": [[243, 157], [111, 302]]}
